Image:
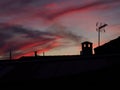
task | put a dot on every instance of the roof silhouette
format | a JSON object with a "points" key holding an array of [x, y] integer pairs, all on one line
{"points": [[112, 47], [61, 67]]}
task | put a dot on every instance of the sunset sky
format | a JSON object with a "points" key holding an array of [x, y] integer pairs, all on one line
{"points": [[56, 27]]}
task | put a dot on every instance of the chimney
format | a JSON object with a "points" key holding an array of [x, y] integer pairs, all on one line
{"points": [[10, 55], [35, 53], [87, 48], [43, 53]]}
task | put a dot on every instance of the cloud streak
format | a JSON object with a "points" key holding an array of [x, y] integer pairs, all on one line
{"points": [[16, 37], [23, 41], [52, 10], [17, 16]]}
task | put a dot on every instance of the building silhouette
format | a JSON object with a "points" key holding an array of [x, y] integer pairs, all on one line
{"points": [[87, 48], [112, 47], [74, 67]]}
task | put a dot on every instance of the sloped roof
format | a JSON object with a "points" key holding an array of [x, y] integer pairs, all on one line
{"points": [[115, 43]]}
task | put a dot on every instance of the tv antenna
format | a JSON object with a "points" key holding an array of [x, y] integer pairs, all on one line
{"points": [[100, 27]]}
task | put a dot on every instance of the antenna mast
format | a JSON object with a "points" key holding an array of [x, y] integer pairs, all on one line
{"points": [[100, 28]]}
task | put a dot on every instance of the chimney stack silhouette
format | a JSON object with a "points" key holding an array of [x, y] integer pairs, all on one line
{"points": [[43, 53], [87, 48], [35, 53], [10, 55]]}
